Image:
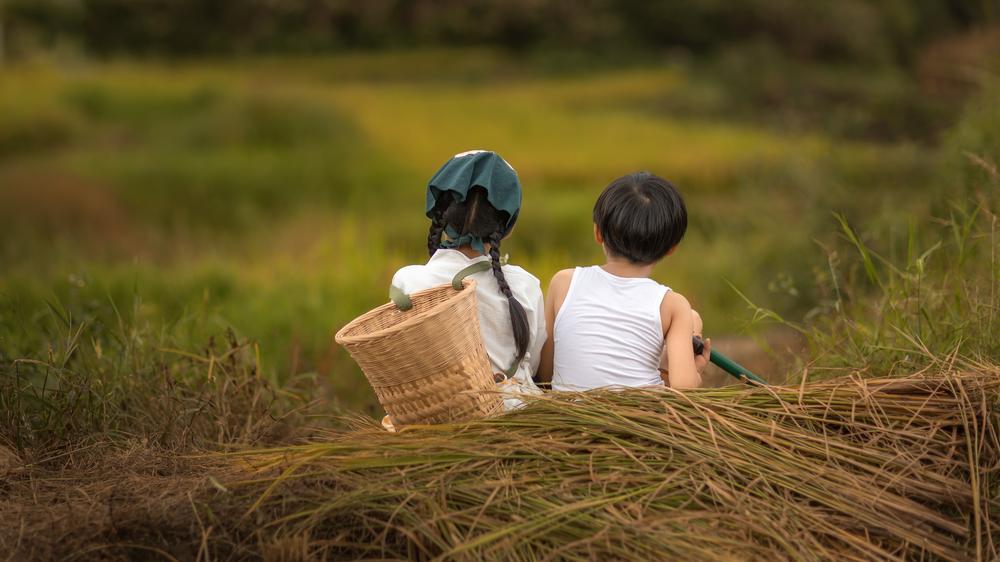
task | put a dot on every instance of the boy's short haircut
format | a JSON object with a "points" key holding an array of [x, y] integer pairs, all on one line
{"points": [[641, 216]]}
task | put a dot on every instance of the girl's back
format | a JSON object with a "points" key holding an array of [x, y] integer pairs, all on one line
{"points": [[492, 308], [608, 332]]}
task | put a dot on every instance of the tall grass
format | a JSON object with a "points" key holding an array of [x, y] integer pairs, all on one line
{"points": [[120, 378], [927, 295], [935, 300]]}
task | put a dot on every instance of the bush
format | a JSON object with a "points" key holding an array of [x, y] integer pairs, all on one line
{"points": [[974, 146], [855, 30], [38, 130]]}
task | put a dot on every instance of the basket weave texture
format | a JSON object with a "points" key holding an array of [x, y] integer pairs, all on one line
{"points": [[427, 364]]}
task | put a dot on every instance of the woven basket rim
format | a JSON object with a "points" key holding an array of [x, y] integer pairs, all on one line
{"points": [[342, 339]]}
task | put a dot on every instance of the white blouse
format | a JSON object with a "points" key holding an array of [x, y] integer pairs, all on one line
{"points": [[494, 314]]}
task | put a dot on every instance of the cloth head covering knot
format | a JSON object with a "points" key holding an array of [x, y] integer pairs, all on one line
{"points": [[476, 168]]}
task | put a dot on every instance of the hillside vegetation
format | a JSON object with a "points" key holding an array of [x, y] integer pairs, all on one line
{"points": [[179, 240], [152, 207]]}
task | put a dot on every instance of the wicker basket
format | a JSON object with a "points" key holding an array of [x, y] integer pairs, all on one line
{"points": [[427, 364]]}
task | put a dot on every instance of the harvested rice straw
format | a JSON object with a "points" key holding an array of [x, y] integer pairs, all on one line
{"points": [[852, 469]]}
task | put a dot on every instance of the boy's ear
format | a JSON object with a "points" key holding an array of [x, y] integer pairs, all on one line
{"points": [[597, 235], [671, 250]]}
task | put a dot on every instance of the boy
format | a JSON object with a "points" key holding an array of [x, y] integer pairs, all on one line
{"points": [[612, 325]]}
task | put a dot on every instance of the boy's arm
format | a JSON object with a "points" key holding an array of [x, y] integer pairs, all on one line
{"points": [[558, 288], [675, 313], [700, 361]]}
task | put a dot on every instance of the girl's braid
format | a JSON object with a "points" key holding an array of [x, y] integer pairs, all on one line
{"points": [[518, 317], [434, 234]]}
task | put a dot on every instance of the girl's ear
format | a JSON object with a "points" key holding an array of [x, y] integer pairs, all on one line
{"points": [[597, 236]]}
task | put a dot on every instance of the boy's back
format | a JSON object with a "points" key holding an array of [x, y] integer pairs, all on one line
{"points": [[612, 325], [608, 332]]}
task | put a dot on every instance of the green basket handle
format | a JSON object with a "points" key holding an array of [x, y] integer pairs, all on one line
{"points": [[478, 267], [399, 298], [403, 301]]}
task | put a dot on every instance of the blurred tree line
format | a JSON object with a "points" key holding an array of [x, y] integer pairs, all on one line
{"points": [[877, 31]]}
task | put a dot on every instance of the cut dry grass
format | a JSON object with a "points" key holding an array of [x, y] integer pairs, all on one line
{"points": [[847, 469], [102, 502], [853, 468]]}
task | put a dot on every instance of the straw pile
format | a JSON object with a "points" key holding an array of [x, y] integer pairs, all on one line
{"points": [[863, 469]]}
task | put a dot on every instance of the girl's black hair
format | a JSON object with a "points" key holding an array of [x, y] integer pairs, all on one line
{"points": [[477, 217], [641, 216], [437, 223]]}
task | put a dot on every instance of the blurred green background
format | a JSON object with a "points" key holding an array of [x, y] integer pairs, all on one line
{"points": [[171, 169]]}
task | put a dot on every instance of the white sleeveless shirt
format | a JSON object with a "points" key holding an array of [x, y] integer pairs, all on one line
{"points": [[608, 332]]}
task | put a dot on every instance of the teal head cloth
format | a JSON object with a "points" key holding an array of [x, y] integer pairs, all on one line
{"points": [[476, 168]]}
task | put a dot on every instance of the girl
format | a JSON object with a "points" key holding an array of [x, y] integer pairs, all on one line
{"points": [[473, 202]]}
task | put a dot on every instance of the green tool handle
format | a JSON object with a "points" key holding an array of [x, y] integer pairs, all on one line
{"points": [[733, 368], [727, 364]]}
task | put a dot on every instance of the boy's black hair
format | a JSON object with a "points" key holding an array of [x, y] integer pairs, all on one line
{"points": [[641, 216], [476, 216]]}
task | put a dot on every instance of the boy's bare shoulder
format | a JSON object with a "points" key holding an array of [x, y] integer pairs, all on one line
{"points": [[561, 280], [563, 276], [673, 303]]}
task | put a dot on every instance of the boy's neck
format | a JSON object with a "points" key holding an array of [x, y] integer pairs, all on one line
{"points": [[624, 268]]}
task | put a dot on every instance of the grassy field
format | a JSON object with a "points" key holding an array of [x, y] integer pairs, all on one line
{"points": [[147, 208], [180, 240]]}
